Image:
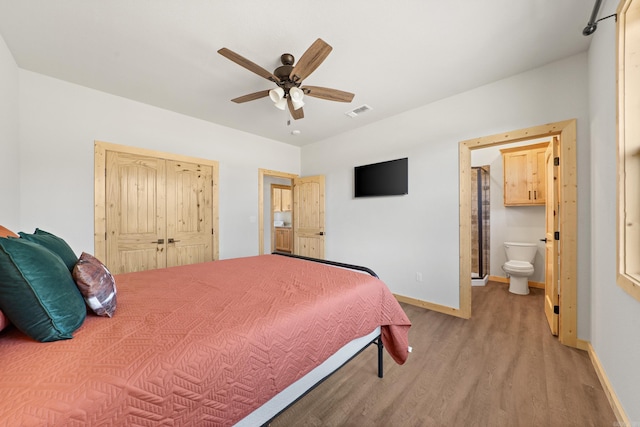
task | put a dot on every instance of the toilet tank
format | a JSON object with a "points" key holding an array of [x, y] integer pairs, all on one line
{"points": [[520, 251]]}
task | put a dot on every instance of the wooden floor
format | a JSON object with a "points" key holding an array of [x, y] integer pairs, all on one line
{"points": [[500, 368]]}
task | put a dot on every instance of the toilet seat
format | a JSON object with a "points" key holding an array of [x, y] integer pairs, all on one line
{"points": [[515, 266]]}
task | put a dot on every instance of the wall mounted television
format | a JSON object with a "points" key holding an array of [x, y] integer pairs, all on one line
{"points": [[389, 178]]}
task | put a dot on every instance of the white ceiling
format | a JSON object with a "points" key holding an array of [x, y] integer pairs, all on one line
{"points": [[394, 55]]}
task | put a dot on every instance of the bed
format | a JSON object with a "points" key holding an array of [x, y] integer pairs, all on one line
{"points": [[230, 342]]}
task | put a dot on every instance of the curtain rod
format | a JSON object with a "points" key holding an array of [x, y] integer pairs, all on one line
{"points": [[592, 25]]}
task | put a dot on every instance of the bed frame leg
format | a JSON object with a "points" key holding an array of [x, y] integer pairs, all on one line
{"points": [[380, 347]]}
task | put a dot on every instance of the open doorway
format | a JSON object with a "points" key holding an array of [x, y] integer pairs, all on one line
{"points": [[280, 219], [508, 206], [265, 206], [307, 213], [567, 217]]}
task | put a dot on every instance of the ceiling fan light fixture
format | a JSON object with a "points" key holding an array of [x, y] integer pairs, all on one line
{"points": [[276, 95], [296, 95], [281, 104], [297, 104]]}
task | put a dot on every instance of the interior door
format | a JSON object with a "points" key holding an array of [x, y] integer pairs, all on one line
{"points": [[189, 213], [551, 300], [308, 216], [135, 212]]}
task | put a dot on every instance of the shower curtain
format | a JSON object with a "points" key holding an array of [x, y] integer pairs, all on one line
{"points": [[480, 209]]}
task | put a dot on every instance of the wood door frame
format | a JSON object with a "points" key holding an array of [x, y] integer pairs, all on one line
{"points": [[100, 196], [261, 174], [568, 186]]}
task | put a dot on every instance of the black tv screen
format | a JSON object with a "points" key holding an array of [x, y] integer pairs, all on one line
{"points": [[382, 179]]}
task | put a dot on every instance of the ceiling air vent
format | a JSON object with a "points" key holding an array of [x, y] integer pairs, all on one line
{"points": [[360, 110]]}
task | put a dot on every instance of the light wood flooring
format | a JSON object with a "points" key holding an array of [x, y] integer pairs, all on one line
{"points": [[500, 368]]}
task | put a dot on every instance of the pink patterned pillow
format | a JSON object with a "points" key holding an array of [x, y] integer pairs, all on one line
{"points": [[96, 284], [4, 322]]}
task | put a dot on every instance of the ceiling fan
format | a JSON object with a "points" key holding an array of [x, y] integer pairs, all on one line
{"points": [[288, 78]]}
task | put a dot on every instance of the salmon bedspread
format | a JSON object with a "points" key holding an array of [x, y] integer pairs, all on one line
{"points": [[203, 344]]}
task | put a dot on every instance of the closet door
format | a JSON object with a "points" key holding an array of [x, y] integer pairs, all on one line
{"points": [[189, 213], [135, 212]]}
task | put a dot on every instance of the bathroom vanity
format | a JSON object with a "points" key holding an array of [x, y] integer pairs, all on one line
{"points": [[283, 239]]}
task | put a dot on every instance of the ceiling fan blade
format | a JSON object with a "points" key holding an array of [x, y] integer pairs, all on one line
{"points": [[251, 96], [296, 114], [310, 60], [244, 62], [326, 93]]}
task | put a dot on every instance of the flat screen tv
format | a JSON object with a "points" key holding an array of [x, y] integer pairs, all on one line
{"points": [[389, 178]]}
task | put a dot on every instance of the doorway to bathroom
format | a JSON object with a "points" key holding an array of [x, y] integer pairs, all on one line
{"points": [[499, 216], [560, 310], [516, 175]]}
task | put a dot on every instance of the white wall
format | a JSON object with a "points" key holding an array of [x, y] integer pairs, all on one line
{"points": [[399, 236], [9, 144], [59, 122], [510, 223], [615, 315]]}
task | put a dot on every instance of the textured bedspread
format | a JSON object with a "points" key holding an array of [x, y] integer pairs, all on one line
{"points": [[197, 345]]}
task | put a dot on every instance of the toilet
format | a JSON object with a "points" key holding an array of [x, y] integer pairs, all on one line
{"points": [[519, 265]]}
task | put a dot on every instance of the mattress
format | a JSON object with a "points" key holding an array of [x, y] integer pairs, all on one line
{"points": [[205, 344]]}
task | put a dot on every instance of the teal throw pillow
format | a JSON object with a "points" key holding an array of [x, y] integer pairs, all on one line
{"points": [[55, 244], [37, 292]]}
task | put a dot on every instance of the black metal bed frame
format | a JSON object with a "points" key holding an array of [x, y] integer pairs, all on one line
{"points": [[377, 340]]}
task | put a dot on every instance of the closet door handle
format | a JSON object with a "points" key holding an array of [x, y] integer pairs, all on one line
{"points": [[173, 241], [544, 240], [159, 241]]}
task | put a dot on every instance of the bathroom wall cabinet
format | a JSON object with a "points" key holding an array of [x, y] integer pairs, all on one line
{"points": [[281, 200], [524, 175]]}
